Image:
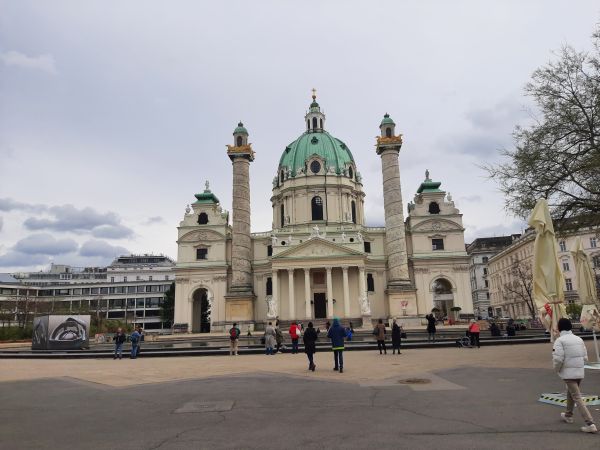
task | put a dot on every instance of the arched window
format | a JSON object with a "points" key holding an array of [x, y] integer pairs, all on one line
{"points": [[239, 141], [314, 123], [202, 218], [350, 172], [317, 208], [321, 123], [282, 215], [434, 208], [388, 132], [308, 124], [353, 206], [281, 175]]}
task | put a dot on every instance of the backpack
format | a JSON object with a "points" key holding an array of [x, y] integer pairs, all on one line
{"points": [[134, 339], [233, 334]]}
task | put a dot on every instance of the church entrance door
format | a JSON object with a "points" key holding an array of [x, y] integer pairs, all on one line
{"points": [[201, 312], [320, 303]]}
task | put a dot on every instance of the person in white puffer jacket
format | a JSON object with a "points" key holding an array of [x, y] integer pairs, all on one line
{"points": [[569, 356]]}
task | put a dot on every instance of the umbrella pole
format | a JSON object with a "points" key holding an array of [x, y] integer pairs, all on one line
{"points": [[596, 346]]}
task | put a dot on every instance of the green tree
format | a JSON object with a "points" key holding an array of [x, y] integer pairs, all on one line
{"points": [[574, 310], [558, 157], [167, 307]]}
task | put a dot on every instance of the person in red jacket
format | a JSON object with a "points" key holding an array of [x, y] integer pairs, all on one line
{"points": [[474, 333], [295, 335]]}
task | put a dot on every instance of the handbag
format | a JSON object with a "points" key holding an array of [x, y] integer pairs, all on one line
{"points": [[375, 331]]}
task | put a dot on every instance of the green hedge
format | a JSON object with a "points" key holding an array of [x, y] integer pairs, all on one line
{"points": [[15, 333]]}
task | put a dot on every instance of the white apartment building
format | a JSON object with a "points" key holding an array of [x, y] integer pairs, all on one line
{"points": [[131, 288], [510, 271], [480, 251]]}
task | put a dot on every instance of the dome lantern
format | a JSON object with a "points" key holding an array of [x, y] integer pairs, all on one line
{"points": [[240, 135], [314, 118], [387, 126]]}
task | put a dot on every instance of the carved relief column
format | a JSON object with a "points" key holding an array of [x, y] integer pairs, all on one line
{"points": [[329, 293], [307, 293], [346, 292], [362, 287], [291, 300]]}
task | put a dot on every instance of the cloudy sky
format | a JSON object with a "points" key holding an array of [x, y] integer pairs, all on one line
{"points": [[113, 114]]}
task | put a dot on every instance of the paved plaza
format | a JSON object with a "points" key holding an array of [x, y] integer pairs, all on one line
{"points": [[484, 398]]}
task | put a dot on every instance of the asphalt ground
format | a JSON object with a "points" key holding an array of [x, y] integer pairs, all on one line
{"points": [[463, 407]]}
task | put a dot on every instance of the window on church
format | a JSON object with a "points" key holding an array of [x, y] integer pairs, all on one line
{"points": [[370, 283], [201, 253], [308, 124], [569, 284], [437, 244], [281, 176], [282, 215], [269, 286], [269, 250], [367, 247], [353, 207], [388, 132], [350, 173], [315, 167], [317, 208], [239, 141], [314, 123], [434, 208], [563, 246], [321, 123], [202, 218]]}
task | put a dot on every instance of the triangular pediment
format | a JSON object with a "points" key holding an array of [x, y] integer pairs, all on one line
{"points": [[435, 225], [317, 247]]}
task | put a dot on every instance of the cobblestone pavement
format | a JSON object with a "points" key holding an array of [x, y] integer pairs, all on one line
{"points": [[469, 398]]}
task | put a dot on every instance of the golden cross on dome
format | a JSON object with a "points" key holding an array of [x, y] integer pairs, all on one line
{"points": [[314, 91]]}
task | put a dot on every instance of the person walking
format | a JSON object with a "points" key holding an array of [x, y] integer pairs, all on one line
{"points": [[337, 334], [295, 335], [269, 339], [310, 339], [380, 336], [431, 327], [135, 343], [474, 331], [569, 356], [119, 340], [396, 337], [234, 339]]}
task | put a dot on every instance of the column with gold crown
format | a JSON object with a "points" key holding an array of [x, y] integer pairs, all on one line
{"points": [[239, 302]]}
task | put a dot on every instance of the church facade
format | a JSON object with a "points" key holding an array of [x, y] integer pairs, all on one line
{"points": [[320, 260]]}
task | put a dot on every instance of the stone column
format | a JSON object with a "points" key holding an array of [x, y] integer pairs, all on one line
{"points": [[291, 300], [395, 238], [346, 292], [363, 299], [307, 293], [240, 240], [329, 293], [275, 287]]}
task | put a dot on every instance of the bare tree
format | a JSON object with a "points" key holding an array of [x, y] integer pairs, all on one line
{"points": [[558, 157], [520, 286]]}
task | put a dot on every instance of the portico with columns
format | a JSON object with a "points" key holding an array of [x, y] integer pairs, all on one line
{"points": [[320, 260]]}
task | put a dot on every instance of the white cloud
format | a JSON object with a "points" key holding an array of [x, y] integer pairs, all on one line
{"points": [[45, 244], [45, 62], [94, 247]]}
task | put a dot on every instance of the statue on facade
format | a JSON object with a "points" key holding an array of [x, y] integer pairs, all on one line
{"points": [[290, 239], [271, 307], [207, 185], [365, 304], [315, 231], [187, 210], [411, 206], [275, 181], [449, 197], [427, 175], [273, 239], [300, 171], [343, 236], [359, 236]]}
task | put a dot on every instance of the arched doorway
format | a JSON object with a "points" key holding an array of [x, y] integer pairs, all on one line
{"points": [[200, 312], [443, 298]]}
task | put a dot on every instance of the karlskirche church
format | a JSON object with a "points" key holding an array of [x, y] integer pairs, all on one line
{"points": [[320, 260]]}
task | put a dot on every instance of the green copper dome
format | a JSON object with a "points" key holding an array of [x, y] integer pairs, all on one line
{"points": [[387, 120], [240, 129], [333, 151]]}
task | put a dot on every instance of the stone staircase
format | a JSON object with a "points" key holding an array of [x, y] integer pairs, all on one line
{"points": [[321, 323]]}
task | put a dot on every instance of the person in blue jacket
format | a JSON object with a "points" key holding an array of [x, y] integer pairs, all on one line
{"points": [[337, 333]]}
